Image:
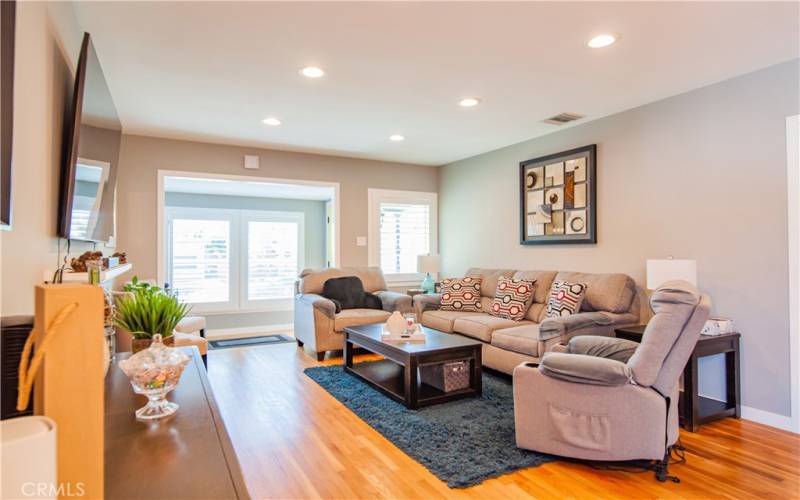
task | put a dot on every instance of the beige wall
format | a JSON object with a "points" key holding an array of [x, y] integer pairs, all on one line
{"points": [[142, 157], [47, 46], [700, 176]]}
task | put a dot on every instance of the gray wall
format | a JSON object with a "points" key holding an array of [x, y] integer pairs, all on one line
{"points": [[142, 157], [701, 175], [314, 215], [48, 40]]}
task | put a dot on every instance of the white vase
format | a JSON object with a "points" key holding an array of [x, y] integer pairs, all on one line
{"points": [[396, 324]]}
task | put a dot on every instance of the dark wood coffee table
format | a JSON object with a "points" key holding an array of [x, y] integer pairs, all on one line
{"points": [[397, 375]]}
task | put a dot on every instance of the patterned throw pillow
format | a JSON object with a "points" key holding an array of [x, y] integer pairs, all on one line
{"points": [[565, 298], [461, 294], [512, 298]]}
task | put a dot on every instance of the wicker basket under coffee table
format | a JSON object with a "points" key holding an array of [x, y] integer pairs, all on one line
{"points": [[398, 375]]}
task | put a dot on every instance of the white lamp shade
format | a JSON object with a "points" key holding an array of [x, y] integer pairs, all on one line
{"points": [[660, 271], [428, 264]]}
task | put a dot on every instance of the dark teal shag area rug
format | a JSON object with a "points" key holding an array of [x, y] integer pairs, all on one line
{"points": [[463, 442]]}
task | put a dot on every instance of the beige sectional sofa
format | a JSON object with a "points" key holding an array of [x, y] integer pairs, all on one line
{"points": [[611, 301]]}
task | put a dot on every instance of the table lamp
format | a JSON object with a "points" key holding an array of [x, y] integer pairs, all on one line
{"points": [[660, 271], [428, 264]]}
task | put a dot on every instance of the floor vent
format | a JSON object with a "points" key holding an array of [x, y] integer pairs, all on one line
{"points": [[563, 118]]}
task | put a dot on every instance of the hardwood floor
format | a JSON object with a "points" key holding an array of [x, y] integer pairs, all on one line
{"points": [[294, 440]]}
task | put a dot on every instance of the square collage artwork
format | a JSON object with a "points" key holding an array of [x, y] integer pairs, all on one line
{"points": [[556, 198]]}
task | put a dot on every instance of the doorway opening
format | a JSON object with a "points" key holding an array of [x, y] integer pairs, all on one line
{"points": [[233, 246]]}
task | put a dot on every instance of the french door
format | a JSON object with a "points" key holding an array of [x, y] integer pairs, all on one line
{"points": [[224, 261]]}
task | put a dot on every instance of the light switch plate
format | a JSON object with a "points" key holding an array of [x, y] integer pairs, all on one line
{"points": [[361, 241], [251, 162]]}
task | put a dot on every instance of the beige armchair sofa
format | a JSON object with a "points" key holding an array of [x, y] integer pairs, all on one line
{"points": [[316, 322], [611, 301], [596, 401]]}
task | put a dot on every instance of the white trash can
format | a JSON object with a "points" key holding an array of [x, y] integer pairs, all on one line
{"points": [[28, 458]]}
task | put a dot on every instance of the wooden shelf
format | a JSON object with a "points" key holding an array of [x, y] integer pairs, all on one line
{"points": [[105, 275]]}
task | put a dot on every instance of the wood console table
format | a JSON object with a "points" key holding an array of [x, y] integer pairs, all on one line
{"points": [[695, 409], [187, 455]]}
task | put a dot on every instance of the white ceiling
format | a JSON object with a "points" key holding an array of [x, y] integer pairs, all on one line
{"points": [[227, 187], [213, 71]]}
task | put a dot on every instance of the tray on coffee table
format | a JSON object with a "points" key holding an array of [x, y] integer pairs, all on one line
{"points": [[397, 375]]}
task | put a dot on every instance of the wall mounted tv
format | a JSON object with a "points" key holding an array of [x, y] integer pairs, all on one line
{"points": [[92, 136], [8, 18]]}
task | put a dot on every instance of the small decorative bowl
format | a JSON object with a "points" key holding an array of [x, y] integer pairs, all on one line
{"points": [[154, 372]]}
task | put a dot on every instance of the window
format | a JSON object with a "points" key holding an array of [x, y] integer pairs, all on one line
{"points": [[275, 256], [201, 259], [402, 226], [233, 260]]}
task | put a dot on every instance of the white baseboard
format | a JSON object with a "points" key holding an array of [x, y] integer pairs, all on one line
{"points": [[248, 331], [768, 418]]}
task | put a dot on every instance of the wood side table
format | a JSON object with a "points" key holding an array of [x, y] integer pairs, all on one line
{"points": [[694, 409]]}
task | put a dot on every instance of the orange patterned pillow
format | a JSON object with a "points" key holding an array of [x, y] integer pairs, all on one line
{"points": [[512, 298], [461, 294]]}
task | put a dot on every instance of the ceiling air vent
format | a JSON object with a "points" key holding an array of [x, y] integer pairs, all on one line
{"points": [[563, 118]]}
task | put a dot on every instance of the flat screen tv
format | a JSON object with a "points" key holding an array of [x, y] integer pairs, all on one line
{"points": [[92, 136], [7, 31]]}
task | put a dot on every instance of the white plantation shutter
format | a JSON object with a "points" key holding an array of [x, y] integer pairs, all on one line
{"points": [[200, 260], [405, 233], [272, 259], [228, 260], [402, 226]]}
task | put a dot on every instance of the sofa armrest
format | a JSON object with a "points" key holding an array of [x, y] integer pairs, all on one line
{"points": [[582, 369], [325, 306], [622, 319], [558, 327], [426, 302], [602, 347], [395, 301]]}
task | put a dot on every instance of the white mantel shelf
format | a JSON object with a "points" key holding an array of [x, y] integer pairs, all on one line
{"points": [[105, 275]]}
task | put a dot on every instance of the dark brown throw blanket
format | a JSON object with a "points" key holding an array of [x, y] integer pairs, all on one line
{"points": [[348, 293]]}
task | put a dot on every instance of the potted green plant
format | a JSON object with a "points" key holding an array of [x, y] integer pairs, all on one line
{"points": [[146, 311]]}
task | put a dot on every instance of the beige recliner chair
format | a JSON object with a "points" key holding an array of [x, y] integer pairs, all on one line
{"points": [[612, 399], [316, 322]]}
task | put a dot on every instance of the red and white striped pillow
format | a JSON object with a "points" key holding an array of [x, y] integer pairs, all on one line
{"points": [[512, 298], [565, 298], [461, 294]]}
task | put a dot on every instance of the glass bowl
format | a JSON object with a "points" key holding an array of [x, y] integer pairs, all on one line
{"points": [[154, 372]]}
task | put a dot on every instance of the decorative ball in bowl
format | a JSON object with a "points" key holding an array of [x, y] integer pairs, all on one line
{"points": [[154, 372]]}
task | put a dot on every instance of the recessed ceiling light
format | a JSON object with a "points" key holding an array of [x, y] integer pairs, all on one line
{"points": [[273, 122], [312, 72], [469, 102], [601, 41], [397, 138]]}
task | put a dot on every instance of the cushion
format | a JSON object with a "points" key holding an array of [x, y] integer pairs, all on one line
{"points": [[443, 320], [512, 298], [312, 280], [348, 293], [191, 324], [603, 347], [522, 339], [461, 294], [565, 298], [543, 279], [585, 369], [187, 339], [354, 317], [607, 292], [489, 278], [481, 326]]}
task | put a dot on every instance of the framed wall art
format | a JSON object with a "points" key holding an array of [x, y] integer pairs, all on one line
{"points": [[558, 198]]}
